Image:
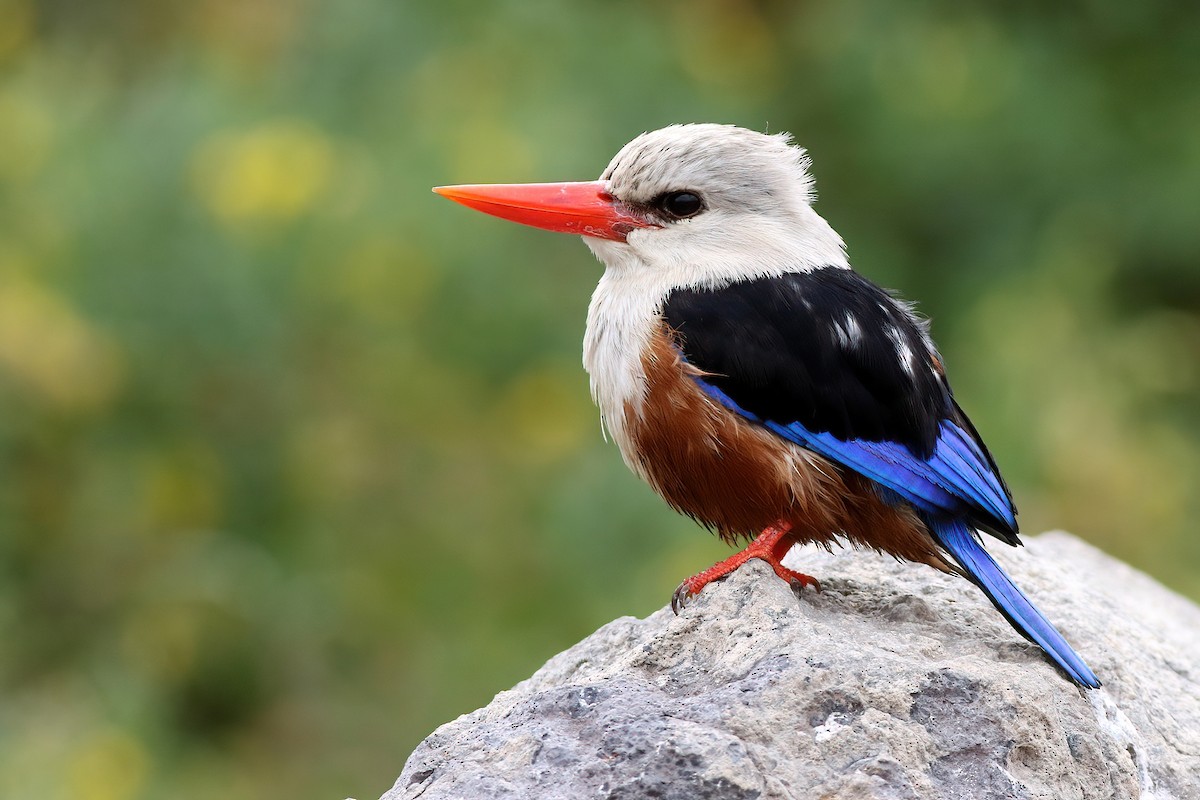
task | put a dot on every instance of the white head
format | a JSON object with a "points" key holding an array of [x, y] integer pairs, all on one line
{"points": [[727, 204]]}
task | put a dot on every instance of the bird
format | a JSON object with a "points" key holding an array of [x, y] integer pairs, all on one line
{"points": [[758, 383]]}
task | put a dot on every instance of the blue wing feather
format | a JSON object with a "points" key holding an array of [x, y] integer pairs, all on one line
{"points": [[956, 479], [904, 476], [962, 454]]}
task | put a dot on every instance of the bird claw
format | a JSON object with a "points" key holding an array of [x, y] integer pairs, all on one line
{"points": [[680, 598], [683, 595], [799, 581]]}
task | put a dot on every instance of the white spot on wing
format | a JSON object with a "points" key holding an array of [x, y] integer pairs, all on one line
{"points": [[904, 353], [849, 332]]}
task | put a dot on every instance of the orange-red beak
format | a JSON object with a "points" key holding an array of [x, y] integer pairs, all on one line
{"points": [[586, 209]]}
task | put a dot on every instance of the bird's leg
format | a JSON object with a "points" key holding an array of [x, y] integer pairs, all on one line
{"points": [[771, 546]]}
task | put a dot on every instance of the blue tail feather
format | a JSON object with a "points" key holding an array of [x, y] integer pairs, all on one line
{"points": [[960, 542]]}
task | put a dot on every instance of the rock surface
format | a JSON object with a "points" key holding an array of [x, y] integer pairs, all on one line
{"points": [[894, 682]]}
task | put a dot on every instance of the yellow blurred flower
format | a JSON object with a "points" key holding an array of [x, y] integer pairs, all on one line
{"points": [[274, 172], [110, 766], [53, 352]]}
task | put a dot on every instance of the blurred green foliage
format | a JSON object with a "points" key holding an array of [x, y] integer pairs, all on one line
{"points": [[297, 460]]}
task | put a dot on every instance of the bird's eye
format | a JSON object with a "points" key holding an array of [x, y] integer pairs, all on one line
{"points": [[680, 205]]}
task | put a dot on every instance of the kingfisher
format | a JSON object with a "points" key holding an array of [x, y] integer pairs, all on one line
{"points": [[759, 384]]}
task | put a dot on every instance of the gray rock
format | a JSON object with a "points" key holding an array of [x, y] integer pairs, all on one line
{"points": [[894, 682]]}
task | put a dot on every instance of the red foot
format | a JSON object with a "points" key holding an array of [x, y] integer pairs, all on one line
{"points": [[771, 546]]}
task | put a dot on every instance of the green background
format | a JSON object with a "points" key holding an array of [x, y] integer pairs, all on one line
{"points": [[297, 460]]}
